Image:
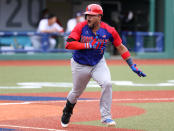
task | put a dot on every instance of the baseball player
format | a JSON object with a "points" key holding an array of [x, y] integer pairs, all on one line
{"points": [[89, 39]]}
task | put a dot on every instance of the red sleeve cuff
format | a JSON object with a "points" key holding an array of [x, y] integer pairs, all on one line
{"points": [[125, 55]]}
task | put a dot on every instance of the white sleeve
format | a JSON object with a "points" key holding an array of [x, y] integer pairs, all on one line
{"points": [[58, 27], [42, 25], [70, 25]]}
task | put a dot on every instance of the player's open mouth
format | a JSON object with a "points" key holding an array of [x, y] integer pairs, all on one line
{"points": [[89, 21]]}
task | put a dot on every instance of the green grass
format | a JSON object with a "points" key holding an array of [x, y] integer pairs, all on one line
{"points": [[9, 76], [158, 117], [155, 74], [12, 75]]}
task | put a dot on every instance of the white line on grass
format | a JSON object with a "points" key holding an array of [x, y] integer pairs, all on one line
{"points": [[34, 128], [129, 99]]}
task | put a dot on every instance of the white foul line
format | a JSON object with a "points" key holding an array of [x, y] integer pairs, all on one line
{"points": [[95, 100], [20, 103], [34, 128]]}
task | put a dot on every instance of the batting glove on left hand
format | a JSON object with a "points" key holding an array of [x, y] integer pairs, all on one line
{"points": [[94, 44], [137, 71]]}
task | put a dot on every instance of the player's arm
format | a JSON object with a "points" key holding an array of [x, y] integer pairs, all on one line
{"points": [[73, 44], [74, 38], [49, 31], [125, 53], [43, 27], [127, 57]]}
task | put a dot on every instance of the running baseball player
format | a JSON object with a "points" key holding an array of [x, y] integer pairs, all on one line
{"points": [[89, 39]]}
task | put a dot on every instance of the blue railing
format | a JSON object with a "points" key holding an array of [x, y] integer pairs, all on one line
{"points": [[44, 41], [139, 41], [137, 36]]}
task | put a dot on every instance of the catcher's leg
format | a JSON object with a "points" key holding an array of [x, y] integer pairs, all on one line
{"points": [[81, 77], [101, 74]]}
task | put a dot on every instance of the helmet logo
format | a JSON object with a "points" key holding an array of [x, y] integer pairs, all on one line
{"points": [[94, 9], [89, 9], [104, 36]]}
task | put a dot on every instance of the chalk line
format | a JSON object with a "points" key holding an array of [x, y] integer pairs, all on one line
{"points": [[34, 128], [95, 100]]}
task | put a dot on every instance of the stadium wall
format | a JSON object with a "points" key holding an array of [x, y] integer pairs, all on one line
{"points": [[168, 34], [168, 30], [41, 56]]}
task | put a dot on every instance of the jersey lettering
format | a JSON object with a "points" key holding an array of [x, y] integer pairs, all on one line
{"points": [[84, 34]]}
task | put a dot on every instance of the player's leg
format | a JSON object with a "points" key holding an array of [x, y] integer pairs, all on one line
{"points": [[52, 42], [81, 76], [101, 75], [67, 112], [36, 42]]}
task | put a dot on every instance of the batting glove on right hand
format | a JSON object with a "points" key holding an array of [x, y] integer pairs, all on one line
{"points": [[137, 71]]}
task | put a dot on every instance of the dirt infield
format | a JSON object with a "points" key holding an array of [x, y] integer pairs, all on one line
{"points": [[45, 115], [48, 115], [67, 62]]}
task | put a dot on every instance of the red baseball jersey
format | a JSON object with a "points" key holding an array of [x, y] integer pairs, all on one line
{"points": [[82, 33]]}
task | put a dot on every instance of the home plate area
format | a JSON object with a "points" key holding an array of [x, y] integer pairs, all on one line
{"points": [[42, 111]]}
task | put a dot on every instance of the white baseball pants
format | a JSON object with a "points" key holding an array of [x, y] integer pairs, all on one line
{"points": [[101, 74]]}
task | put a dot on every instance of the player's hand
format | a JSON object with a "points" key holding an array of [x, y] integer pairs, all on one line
{"points": [[54, 30], [94, 44], [137, 71]]}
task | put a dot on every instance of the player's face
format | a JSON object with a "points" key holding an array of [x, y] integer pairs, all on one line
{"points": [[52, 20], [93, 20]]}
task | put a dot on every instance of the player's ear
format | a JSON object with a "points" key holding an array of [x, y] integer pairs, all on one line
{"points": [[85, 16], [100, 17]]}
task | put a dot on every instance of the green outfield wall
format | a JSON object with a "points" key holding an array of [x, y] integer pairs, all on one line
{"points": [[168, 33]]}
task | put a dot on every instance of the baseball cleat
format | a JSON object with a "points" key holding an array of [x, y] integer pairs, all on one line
{"points": [[65, 119], [109, 122], [64, 125], [67, 112]]}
